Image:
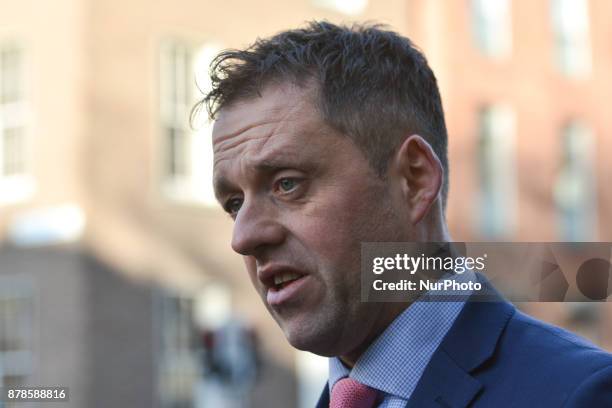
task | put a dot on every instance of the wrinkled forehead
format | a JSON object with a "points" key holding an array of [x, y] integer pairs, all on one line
{"points": [[283, 104], [279, 129]]}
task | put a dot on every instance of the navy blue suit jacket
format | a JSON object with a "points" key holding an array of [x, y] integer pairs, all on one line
{"points": [[496, 356]]}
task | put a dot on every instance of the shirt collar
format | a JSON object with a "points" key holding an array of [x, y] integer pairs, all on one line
{"points": [[395, 361]]}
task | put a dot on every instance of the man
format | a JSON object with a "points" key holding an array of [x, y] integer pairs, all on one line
{"points": [[330, 136]]}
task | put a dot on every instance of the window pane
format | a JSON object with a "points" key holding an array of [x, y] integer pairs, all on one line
{"points": [[10, 75], [496, 171], [16, 330], [187, 150], [575, 187], [492, 26], [189, 85], [571, 31], [177, 77], [179, 358], [13, 151], [12, 114], [14, 316], [177, 152], [187, 154]]}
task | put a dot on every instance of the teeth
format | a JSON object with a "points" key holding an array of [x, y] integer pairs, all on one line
{"points": [[285, 277]]}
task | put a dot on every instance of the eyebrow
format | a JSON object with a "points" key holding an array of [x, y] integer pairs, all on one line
{"points": [[221, 187]]}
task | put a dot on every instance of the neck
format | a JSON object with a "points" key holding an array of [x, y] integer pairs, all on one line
{"points": [[435, 231], [394, 309], [433, 227]]}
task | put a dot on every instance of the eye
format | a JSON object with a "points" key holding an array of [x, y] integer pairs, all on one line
{"points": [[287, 184], [232, 206]]}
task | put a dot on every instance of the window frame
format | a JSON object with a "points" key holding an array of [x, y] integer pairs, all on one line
{"points": [[19, 186], [22, 360], [497, 212], [572, 37], [575, 192], [193, 183], [492, 33]]}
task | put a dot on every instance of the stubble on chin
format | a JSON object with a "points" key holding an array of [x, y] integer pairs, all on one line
{"points": [[318, 332], [337, 328]]}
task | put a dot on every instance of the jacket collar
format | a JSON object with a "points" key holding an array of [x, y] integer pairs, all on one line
{"points": [[324, 398], [471, 341]]}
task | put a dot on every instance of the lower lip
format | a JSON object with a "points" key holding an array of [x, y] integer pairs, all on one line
{"points": [[279, 296]]}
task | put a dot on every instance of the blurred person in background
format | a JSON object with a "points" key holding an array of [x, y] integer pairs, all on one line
{"points": [[330, 136]]}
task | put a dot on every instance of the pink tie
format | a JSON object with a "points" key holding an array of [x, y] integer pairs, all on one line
{"points": [[348, 393]]}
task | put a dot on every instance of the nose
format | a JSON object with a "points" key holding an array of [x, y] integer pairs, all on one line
{"points": [[256, 228]]}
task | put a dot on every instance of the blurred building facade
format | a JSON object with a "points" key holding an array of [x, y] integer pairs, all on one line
{"points": [[523, 85], [115, 265]]}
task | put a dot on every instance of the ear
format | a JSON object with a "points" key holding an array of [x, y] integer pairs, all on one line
{"points": [[420, 173]]}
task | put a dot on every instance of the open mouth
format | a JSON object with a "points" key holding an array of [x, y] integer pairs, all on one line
{"points": [[285, 279], [284, 286]]}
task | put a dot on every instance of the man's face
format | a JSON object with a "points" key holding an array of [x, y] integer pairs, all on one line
{"points": [[303, 198]]}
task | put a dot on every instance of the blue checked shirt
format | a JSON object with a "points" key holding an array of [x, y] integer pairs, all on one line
{"points": [[395, 361]]}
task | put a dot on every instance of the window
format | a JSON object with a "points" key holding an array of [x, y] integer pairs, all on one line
{"points": [[15, 185], [179, 362], [16, 325], [187, 152], [575, 187], [492, 26], [570, 19], [349, 7], [208, 355], [497, 171]]}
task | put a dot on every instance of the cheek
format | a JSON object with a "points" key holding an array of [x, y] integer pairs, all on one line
{"points": [[333, 226], [354, 215], [251, 268], [333, 236]]}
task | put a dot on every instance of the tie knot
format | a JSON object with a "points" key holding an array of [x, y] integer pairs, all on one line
{"points": [[348, 393]]}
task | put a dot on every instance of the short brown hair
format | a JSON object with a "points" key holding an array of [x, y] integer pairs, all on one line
{"points": [[375, 86]]}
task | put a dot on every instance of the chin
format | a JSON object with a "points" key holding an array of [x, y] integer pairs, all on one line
{"points": [[312, 346], [315, 340], [298, 336]]}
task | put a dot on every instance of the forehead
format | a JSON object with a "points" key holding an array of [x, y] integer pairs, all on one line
{"points": [[279, 107], [282, 124], [272, 97]]}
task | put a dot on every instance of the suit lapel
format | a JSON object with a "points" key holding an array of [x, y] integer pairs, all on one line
{"points": [[444, 384], [471, 341], [324, 398]]}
